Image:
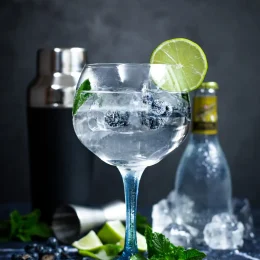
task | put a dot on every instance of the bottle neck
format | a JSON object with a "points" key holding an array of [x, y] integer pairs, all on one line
{"points": [[203, 138], [204, 113]]}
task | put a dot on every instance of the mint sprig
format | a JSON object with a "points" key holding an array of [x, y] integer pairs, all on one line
{"points": [[24, 227], [141, 223], [81, 96], [160, 248]]}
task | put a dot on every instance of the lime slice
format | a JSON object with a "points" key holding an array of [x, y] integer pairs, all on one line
{"points": [[81, 96], [90, 242], [114, 232], [189, 65]]}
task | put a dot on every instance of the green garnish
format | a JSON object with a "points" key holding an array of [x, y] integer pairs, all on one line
{"points": [[112, 249], [141, 223], [24, 227], [160, 248], [81, 96]]}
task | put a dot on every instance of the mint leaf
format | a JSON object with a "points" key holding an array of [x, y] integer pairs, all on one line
{"points": [[169, 257], [141, 223], [16, 222], [81, 96], [160, 248], [149, 241], [193, 254], [157, 244], [40, 230], [27, 226], [162, 245]]}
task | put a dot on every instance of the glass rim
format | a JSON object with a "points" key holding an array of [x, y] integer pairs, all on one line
{"points": [[130, 64], [129, 91], [110, 64]]}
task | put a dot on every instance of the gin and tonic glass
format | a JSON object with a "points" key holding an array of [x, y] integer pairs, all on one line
{"points": [[130, 122]]}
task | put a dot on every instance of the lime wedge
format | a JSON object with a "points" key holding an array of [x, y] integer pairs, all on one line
{"points": [[189, 65], [90, 242], [101, 255], [141, 242], [81, 96], [105, 252], [114, 231]]}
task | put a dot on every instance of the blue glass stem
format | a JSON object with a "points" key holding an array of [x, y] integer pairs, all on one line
{"points": [[131, 178]]}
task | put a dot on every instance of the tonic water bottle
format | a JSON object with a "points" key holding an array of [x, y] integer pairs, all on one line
{"points": [[203, 184]]}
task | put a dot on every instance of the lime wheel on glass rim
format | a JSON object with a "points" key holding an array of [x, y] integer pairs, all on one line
{"points": [[189, 65]]}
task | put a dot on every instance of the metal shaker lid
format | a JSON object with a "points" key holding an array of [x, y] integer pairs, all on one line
{"points": [[63, 60]]}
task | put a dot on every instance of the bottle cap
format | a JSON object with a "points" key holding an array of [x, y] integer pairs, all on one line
{"points": [[63, 60], [210, 84]]}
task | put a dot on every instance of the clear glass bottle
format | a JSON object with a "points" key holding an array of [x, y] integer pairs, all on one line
{"points": [[203, 181]]}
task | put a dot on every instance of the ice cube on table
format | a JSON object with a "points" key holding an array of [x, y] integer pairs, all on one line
{"points": [[224, 232], [178, 235], [181, 207], [160, 216], [229, 255], [242, 210]]}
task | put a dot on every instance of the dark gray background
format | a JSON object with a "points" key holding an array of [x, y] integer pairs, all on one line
{"points": [[128, 31]]}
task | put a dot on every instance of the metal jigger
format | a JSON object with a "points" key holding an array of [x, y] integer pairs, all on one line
{"points": [[70, 222]]}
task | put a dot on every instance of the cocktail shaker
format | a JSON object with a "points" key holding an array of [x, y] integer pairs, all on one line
{"points": [[70, 222], [60, 166]]}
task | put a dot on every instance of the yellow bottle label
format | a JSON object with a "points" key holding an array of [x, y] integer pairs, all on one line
{"points": [[204, 115]]}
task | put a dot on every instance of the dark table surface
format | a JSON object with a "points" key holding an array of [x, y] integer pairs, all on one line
{"points": [[251, 248]]}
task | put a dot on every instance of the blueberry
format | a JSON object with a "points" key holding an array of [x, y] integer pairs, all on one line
{"points": [[52, 242], [31, 248], [158, 107], [48, 250], [116, 118], [35, 256], [64, 249], [40, 249], [151, 121], [147, 98], [57, 256], [59, 250]]}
